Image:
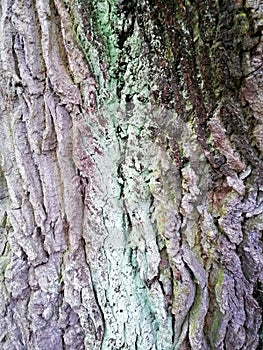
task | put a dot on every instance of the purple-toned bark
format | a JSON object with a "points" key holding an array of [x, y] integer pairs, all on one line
{"points": [[131, 175]]}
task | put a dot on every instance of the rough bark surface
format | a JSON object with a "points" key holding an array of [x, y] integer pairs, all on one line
{"points": [[131, 174]]}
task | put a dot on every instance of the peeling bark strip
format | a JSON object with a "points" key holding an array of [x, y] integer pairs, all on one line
{"points": [[131, 174]]}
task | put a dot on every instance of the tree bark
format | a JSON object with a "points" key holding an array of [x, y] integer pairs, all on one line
{"points": [[131, 174]]}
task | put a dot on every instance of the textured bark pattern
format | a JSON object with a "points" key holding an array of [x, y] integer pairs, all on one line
{"points": [[131, 175]]}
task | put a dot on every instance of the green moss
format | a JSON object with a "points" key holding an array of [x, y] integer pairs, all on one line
{"points": [[196, 26], [218, 317], [194, 313], [178, 291], [223, 211], [220, 277], [161, 222], [106, 20], [242, 24], [4, 222], [94, 25]]}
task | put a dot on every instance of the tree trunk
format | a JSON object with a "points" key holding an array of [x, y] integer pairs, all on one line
{"points": [[131, 174]]}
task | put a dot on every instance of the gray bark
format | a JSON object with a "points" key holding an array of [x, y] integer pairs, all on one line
{"points": [[131, 174]]}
